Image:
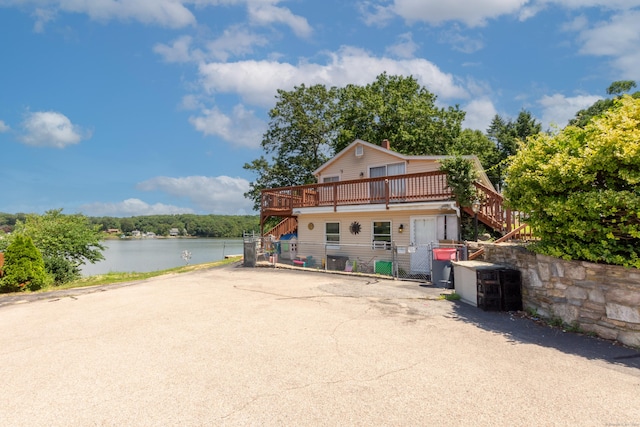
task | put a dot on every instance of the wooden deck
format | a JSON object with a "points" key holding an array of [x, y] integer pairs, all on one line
{"points": [[388, 190]]}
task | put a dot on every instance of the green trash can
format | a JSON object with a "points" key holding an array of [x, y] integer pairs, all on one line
{"points": [[384, 267]]}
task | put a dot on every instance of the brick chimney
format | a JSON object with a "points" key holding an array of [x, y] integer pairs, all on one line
{"points": [[385, 144]]}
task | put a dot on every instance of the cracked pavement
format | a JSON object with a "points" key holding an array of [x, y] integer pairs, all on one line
{"points": [[240, 346]]}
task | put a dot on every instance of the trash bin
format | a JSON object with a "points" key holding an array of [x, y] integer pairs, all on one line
{"points": [[444, 254], [441, 266], [250, 253], [336, 262], [383, 267]]}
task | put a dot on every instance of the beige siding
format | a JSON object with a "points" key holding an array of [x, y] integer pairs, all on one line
{"points": [[416, 166], [311, 242], [348, 166]]}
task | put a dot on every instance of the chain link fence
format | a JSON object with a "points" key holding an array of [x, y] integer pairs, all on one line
{"points": [[413, 262]]}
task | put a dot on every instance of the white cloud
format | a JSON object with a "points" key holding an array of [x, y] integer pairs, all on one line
{"points": [[242, 128], [51, 129], [131, 207], [217, 195], [558, 109], [178, 51], [166, 13], [4, 127], [258, 81], [263, 13], [235, 41], [460, 42], [475, 13], [405, 48], [604, 4], [480, 113], [472, 13], [42, 16], [618, 38]]}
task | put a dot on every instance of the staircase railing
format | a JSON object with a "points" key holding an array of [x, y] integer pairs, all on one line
{"points": [[286, 226]]}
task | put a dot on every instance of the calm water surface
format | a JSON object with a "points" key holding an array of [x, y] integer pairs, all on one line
{"points": [[143, 255]]}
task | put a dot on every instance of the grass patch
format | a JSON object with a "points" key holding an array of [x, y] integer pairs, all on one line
{"points": [[114, 277], [450, 297]]}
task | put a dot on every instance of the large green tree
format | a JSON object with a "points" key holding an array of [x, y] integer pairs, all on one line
{"points": [[66, 241], [507, 135], [581, 187], [308, 125], [477, 143], [301, 137], [617, 89], [397, 108]]}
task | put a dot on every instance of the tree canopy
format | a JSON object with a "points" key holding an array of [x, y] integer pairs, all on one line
{"points": [[507, 135], [617, 88], [309, 124], [65, 241], [581, 187], [396, 108]]}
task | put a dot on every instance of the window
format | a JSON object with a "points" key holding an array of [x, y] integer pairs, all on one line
{"points": [[381, 235], [332, 233], [334, 178], [396, 185]]}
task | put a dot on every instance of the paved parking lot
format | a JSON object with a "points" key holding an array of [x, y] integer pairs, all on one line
{"points": [[241, 346]]}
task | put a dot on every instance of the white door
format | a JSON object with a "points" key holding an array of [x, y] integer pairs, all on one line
{"points": [[423, 233]]}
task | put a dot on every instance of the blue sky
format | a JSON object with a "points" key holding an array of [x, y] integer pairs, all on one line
{"points": [[139, 107]]}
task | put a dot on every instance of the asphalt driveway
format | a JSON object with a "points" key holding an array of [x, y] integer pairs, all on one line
{"points": [[261, 346]]}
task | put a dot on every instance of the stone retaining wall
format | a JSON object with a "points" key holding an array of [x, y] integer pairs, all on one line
{"points": [[598, 298]]}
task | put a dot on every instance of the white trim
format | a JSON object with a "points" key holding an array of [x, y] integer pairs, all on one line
{"points": [[381, 207], [324, 177], [339, 232], [378, 244]]}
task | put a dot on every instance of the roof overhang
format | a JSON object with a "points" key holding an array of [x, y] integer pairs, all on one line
{"points": [[440, 206]]}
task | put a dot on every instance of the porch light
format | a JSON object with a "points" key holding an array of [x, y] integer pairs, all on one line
{"points": [[401, 228], [475, 206]]}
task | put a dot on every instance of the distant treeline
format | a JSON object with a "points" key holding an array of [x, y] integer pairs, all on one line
{"points": [[186, 224]]}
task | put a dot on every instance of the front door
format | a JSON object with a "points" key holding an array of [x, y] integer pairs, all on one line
{"points": [[423, 233]]}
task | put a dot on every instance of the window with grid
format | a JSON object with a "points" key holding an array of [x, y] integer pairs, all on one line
{"points": [[332, 233], [381, 235]]}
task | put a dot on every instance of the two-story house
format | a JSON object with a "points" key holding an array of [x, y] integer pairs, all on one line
{"points": [[372, 196]]}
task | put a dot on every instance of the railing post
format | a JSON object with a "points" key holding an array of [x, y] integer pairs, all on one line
{"points": [[335, 197], [386, 192]]}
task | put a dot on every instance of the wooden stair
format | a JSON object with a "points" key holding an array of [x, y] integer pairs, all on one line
{"points": [[286, 226]]}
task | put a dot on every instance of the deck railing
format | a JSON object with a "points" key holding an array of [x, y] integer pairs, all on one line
{"points": [[418, 187]]}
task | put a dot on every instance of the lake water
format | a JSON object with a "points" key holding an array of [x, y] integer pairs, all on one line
{"points": [[143, 255]]}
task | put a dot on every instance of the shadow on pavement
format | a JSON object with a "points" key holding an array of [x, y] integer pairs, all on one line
{"points": [[518, 328]]}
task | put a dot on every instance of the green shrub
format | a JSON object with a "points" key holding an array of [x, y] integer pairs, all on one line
{"points": [[581, 188], [23, 267], [61, 270]]}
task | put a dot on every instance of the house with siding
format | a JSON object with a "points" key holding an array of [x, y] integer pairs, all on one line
{"points": [[370, 196]]}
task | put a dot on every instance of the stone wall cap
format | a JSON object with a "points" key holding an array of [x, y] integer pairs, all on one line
{"points": [[479, 265]]}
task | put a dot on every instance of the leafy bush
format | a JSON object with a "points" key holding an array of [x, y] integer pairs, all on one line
{"points": [[65, 241], [460, 178], [23, 266], [62, 270], [581, 188]]}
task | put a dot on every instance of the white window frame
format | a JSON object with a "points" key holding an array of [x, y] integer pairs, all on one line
{"points": [[326, 234], [381, 244], [331, 178]]}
